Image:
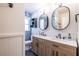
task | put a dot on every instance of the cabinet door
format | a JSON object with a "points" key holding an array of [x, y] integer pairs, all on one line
{"points": [[43, 48], [35, 45], [66, 53], [54, 52], [65, 50], [47, 51], [39, 48], [47, 48]]}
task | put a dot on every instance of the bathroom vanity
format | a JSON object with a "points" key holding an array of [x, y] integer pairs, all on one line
{"points": [[47, 46], [44, 45]]}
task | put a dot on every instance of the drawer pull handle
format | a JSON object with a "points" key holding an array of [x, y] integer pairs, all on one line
{"points": [[55, 45], [37, 45]]}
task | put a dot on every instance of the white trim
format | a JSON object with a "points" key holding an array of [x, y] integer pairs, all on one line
{"points": [[27, 42], [18, 34], [23, 44], [7, 35]]}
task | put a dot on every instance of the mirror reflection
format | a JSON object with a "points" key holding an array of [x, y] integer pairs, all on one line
{"points": [[61, 18]]}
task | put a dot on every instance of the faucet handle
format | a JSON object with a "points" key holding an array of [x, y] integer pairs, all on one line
{"points": [[69, 36], [56, 36], [64, 37], [59, 35]]}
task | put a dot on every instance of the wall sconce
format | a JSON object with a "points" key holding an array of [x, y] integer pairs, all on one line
{"points": [[6, 5], [10, 5]]}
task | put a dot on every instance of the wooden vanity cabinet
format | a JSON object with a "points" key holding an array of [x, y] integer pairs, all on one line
{"points": [[44, 47]]}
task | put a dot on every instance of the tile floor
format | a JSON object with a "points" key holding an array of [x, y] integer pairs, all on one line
{"points": [[29, 53]]}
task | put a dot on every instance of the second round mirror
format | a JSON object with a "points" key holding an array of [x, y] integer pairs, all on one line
{"points": [[61, 18]]}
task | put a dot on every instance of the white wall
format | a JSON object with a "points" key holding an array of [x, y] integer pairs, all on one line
{"points": [[50, 7], [12, 30], [12, 19]]}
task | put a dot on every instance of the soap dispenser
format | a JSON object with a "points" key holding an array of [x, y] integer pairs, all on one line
{"points": [[69, 36]]}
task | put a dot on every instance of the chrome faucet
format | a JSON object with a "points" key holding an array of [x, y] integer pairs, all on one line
{"points": [[69, 36], [42, 33], [59, 36]]}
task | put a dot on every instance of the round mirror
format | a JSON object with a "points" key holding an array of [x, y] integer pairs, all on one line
{"points": [[43, 22], [61, 18]]}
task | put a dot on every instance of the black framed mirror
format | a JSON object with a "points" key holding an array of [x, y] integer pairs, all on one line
{"points": [[43, 22], [61, 18]]}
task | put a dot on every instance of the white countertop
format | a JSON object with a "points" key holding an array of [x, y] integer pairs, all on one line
{"points": [[63, 41]]}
